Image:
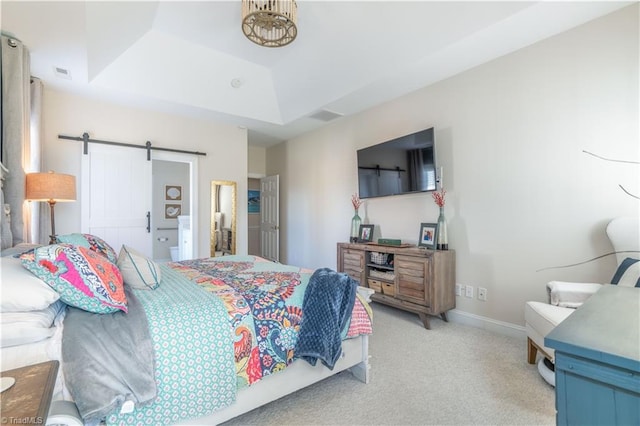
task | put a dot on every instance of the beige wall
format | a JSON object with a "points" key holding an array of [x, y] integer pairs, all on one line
{"points": [[510, 134], [225, 146], [257, 161]]}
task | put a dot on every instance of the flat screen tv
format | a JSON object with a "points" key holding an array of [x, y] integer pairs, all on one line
{"points": [[400, 166]]}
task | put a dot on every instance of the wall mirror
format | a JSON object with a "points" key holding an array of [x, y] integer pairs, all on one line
{"points": [[223, 217]]}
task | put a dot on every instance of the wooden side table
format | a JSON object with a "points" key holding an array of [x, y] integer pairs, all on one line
{"points": [[28, 400]]}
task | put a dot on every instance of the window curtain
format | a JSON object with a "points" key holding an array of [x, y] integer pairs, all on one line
{"points": [[39, 219], [19, 153], [417, 178]]}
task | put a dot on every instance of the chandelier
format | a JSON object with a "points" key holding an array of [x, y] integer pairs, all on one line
{"points": [[270, 23]]}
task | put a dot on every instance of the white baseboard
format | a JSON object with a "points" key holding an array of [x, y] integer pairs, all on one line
{"points": [[491, 324]]}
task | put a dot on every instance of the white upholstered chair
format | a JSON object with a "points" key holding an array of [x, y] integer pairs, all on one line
{"points": [[540, 318]]}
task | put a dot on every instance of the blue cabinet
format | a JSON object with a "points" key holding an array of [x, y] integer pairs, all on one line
{"points": [[598, 360]]}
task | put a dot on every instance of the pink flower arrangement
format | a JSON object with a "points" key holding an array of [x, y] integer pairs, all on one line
{"points": [[438, 197], [356, 201]]}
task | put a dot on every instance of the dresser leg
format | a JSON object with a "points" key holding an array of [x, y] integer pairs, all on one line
{"points": [[425, 320], [444, 317]]}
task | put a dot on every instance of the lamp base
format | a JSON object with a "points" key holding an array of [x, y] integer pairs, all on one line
{"points": [[52, 237]]}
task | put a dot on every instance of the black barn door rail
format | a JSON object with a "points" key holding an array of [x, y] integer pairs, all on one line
{"points": [[85, 139]]}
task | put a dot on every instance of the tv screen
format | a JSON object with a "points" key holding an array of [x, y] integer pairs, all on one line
{"points": [[399, 166]]}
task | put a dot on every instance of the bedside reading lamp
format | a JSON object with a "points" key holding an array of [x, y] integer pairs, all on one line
{"points": [[51, 187]]}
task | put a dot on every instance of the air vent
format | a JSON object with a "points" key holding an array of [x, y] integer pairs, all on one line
{"points": [[62, 73], [325, 115]]}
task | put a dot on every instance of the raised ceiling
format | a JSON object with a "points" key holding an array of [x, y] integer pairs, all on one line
{"points": [[192, 58]]}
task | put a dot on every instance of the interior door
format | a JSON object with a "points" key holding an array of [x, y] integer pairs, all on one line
{"points": [[116, 196], [270, 217]]}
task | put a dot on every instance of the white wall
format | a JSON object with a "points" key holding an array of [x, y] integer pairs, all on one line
{"points": [[225, 146], [510, 134]]}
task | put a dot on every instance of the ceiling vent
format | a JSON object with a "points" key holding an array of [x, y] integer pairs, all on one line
{"points": [[62, 73], [325, 115]]}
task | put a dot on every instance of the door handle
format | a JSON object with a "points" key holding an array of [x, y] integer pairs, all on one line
{"points": [[148, 222]]}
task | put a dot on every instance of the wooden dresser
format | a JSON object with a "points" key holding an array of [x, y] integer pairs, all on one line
{"points": [[597, 351], [418, 280]]}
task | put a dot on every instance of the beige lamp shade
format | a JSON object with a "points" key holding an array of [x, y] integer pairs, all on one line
{"points": [[50, 187]]}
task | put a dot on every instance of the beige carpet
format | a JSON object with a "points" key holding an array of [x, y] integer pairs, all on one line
{"points": [[452, 374]]}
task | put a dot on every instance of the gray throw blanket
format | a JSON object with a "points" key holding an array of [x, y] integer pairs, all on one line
{"points": [[108, 359], [326, 310]]}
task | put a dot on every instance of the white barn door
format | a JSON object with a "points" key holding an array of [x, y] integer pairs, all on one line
{"points": [[270, 217], [116, 196]]}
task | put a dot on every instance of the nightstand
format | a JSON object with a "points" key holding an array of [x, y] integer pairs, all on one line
{"points": [[28, 400]]}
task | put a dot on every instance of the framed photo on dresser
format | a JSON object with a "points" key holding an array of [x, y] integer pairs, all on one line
{"points": [[427, 237], [366, 233]]}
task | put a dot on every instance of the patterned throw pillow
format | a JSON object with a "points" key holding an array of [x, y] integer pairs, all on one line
{"points": [[137, 270], [628, 273], [92, 242], [82, 277]]}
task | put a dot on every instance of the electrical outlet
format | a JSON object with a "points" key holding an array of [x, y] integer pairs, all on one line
{"points": [[458, 289], [468, 291], [482, 293]]}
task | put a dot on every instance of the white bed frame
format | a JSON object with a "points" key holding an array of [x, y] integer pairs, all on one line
{"points": [[300, 374]]}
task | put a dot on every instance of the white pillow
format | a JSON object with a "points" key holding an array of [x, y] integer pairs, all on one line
{"points": [[20, 328], [21, 334], [20, 290], [137, 270], [18, 249], [42, 318]]}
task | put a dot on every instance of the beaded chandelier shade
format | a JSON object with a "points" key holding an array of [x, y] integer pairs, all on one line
{"points": [[270, 23]]}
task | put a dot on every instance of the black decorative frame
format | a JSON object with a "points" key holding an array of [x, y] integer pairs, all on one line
{"points": [[365, 234]]}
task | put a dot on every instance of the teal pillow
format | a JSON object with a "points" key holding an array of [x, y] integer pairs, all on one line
{"points": [[92, 242], [82, 277], [628, 273]]}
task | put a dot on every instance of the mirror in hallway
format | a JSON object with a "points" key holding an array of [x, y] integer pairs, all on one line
{"points": [[223, 217]]}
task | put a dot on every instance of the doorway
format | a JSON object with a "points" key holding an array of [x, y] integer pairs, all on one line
{"points": [[118, 198], [253, 218], [171, 199]]}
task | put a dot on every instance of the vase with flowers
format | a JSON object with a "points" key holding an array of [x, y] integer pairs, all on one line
{"points": [[355, 220], [442, 239]]}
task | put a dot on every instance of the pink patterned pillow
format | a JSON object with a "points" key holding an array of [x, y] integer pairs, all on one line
{"points": [[82, 277], [92, 242]]}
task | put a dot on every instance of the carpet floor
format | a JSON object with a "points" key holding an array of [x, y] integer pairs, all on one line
{"points": [[453, 374]]}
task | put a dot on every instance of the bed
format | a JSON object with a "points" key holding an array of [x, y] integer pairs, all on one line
{"points": [[194, 342]]}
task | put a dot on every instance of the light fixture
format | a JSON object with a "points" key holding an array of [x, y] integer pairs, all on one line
{"points": [[50, 187], [270, 23]]}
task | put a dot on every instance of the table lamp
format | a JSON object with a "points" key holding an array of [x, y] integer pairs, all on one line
{"points": [[51, 187]]}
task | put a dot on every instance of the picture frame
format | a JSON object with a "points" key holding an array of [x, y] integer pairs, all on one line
{"points": [[172, 211], [365, 234], [428, 235], [173, 192], [253, 201]]}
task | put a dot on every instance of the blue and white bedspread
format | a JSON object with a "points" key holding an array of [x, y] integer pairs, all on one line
{"points": [[195, 371]]}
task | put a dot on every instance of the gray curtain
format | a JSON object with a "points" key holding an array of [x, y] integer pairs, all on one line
{"points": [[17, 147], [39, 218]]}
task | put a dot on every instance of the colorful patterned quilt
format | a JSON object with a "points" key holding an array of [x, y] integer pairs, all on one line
{"points": [[264, 302], [253, 307]]}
